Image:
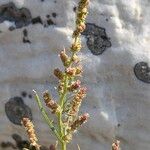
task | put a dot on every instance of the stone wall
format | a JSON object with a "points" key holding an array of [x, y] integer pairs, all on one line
{"points": [[116, 59]]}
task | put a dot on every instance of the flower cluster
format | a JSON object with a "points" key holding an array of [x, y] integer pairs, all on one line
{"points": [[30, 131], [64, 58], [68, 82], [50, 103], [75, 125], [80, 25], [76, 102], [116, 145]]}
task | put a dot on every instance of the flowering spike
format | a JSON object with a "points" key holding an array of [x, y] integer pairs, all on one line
{"points": [[116, 145], [75, 47], [74, 86], [50, 103], [79, 70], [67, 115], [58, 74], [30, 131], [70, 71], [75, 58], [75, 125], [82, 119], [64, 57], [76, 102]]}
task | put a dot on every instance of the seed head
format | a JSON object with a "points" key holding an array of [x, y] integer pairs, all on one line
{"points": [[116, 145], [50, 103], [30, 131], [76, 102], [64, 57], [74, 86], [58, 74]]}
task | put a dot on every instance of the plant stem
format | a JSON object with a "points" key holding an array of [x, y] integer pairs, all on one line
{"points": [[63, 146], [60, 123], [45, 116], [63, 96]]}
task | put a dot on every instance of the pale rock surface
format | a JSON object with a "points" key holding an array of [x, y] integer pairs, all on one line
{"points": [[118, 102]]}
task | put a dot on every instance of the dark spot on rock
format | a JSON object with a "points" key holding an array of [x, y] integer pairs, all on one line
{"points": [[30, 96], [8, 145], [16, 137], [47, 16], [11, 28], [104, 37], [54, 14], [24, 93], [50, 22], [21, 17], [42, 0], [142, 71], [37, 20], [25, 37], [106, 19], [16, 109], [25, 32], [74, 9], [97, 39], [55, 1], [20, 144], [24, 40], [118, 124]]}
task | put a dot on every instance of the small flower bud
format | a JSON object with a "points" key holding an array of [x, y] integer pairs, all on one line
{"points": [[75, 58], [61, 87], [76, 71], [71, 71], [46, 97], [74, 86], [64, 57], [83, 4], [58, 74], [76, 46], [81, 27], [50, 103], [67, 138], [79, 70], [116, 145], [82, 119], [76, 33]]}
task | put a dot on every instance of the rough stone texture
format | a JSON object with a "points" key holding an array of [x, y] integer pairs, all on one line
{"points": [[118, 100], [97, 40]]}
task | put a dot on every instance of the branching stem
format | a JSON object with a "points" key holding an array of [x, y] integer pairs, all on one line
{"points": [[45, 116]]}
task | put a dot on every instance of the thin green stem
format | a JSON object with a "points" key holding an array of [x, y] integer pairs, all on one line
{"points": [[63, 96], [45, 116], [64, 145], [60, 124]]}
